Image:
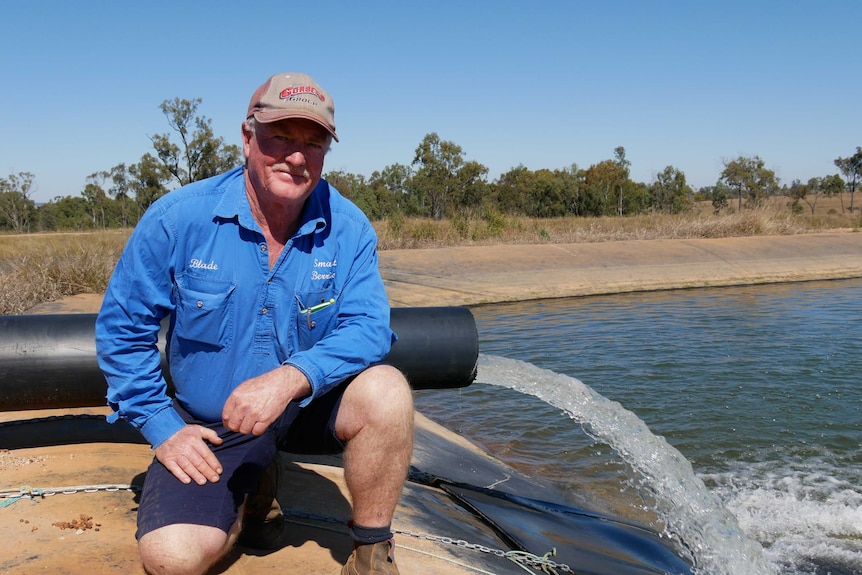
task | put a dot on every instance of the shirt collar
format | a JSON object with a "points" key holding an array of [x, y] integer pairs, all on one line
{"points": [[234, 205], [314, 213]]}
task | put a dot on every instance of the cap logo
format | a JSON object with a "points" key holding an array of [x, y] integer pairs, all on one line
{"points": [[292, 91]]}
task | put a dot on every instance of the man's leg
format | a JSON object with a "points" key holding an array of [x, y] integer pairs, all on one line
{"points": [[184, 549], [263, 526], [186, 528], [375, 420]]}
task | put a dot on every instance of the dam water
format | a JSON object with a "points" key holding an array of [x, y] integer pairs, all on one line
{"points": [[731, 418]]}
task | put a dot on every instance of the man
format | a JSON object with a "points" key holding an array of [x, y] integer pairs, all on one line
{"points": [[278, 322]]}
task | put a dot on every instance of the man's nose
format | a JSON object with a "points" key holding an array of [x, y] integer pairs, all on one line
{"points": [[296, 156]]}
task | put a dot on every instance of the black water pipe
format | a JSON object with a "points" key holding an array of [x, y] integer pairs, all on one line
{"points": [[49, 361]]}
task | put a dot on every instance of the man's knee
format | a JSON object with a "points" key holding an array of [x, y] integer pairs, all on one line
{"points": [[379, 397], [384, 388], [182, 549]]}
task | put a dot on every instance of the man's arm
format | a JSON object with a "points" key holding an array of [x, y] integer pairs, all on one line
{"points": [[127, 330], [361, 335], [259, 401], [137, 298]]}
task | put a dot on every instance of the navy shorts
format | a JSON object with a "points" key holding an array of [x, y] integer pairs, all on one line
{"points": [[166, 500]]}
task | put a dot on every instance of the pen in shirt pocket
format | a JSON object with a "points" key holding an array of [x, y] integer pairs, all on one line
{"points": [[318, 307]]}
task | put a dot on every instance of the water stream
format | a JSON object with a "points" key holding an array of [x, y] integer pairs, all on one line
{"points": [[692, 514]]}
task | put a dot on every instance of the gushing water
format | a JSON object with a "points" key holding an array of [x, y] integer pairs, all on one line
{"points": [[690, 511]]}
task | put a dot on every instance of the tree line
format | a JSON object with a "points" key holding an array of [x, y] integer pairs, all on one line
{"points": [[440, 183]]}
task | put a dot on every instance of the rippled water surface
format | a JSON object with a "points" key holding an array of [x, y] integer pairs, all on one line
{"points": [[760, 388]]}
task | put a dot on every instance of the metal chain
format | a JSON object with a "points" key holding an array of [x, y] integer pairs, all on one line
{"points": [[450, 541], [544, 564], [33, 492]]}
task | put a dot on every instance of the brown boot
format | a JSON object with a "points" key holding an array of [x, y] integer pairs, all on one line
{"points": [[263, 521], [372, 559]]}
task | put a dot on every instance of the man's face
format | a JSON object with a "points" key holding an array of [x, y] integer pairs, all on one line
{"points": [[285, 159]]}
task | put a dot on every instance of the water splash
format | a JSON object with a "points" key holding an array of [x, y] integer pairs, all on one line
{"points": [[810, 520], [692, 513]]}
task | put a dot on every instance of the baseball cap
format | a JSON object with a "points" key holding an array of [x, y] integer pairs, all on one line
{"points": [[293, 95]]}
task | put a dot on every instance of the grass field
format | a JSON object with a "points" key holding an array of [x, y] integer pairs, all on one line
{"points": [[37, 268]]}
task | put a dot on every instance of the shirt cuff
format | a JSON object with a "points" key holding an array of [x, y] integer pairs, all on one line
{"points": [[162, 425], [309, 372]]}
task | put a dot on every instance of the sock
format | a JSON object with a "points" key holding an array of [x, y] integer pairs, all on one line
{"points": [[366, 535]]}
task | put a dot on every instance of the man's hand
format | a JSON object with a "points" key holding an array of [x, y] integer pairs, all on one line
{"points": [[257, 402], [187, 455]]}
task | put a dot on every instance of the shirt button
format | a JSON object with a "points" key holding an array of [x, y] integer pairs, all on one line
{"points": [[200, 304], [264, 311], [263, 247]]}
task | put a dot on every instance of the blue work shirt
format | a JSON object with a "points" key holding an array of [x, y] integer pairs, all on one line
{"points": [[198, 256]]}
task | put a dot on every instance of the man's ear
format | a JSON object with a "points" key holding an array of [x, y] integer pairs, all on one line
{"points": [[247, 135]]}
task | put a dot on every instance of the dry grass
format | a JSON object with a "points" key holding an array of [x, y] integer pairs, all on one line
{"points": [[41, 268], [38, 268], [773, 219]]}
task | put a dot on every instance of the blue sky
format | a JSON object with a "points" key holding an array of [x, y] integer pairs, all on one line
{"points": [[542, 84]]}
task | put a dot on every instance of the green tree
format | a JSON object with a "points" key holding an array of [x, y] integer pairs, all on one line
{"points": [[750, 178], [543, 193], [624, 165], [851, 167], [356, 189], [816, 188], [636, 197], [512, 190], [125, 211], [669, 192], [606, 189], [832, 185], [16, 207], [442, 177], [96, 198], [546, 195], [604, 183], [66, 213], [200, 154], [571, 180], [347, 183], [809, 193], [717, 194], [392, 188], [798, 192], [471, 189], [148, 181]]}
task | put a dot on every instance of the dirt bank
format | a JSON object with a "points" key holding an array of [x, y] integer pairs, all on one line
{"points": [[493, 274]]}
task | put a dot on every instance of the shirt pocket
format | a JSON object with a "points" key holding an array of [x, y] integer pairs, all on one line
{"points": [[315, 316], [205, 312]]}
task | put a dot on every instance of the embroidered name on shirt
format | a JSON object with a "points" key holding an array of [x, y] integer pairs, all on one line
{"points": [[197, 264], [327, 269]]}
